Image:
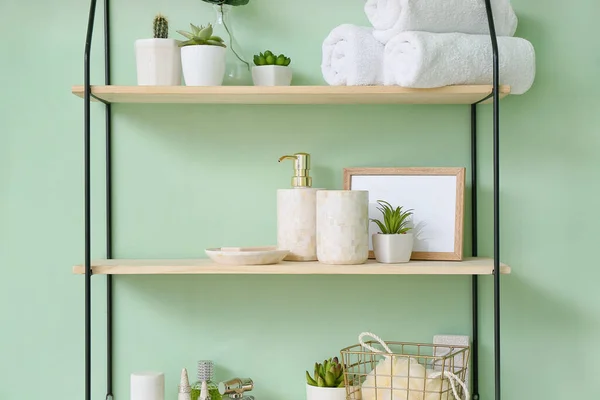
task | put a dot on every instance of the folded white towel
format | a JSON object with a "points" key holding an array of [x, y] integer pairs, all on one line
{"points": [[390, 17], [352, 56], [428, 60]]}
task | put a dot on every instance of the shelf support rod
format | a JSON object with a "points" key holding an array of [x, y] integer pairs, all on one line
{"points": [[109, 198], [496, 141], [474, 247], [87, 201]]}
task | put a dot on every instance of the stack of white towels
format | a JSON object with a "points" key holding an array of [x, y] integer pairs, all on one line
{"points": [[428, 44]]}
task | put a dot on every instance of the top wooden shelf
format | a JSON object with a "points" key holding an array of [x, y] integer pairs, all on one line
{"points": [[292, 94]]}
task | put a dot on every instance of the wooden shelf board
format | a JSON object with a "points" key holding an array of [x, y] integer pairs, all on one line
{"points": [[467, 94], [471, 266]]}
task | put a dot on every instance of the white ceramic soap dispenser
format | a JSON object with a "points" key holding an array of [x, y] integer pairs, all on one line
{"points": [[297, 213]]}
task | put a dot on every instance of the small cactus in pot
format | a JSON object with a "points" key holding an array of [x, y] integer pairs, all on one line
{"points": [[271, 69], [158, 60], [161, 27]]}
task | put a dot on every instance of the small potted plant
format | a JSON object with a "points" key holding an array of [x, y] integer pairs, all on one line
{"points": [[394, 244], [327, 383], [271, 70], [202, 57], [158, 60]]}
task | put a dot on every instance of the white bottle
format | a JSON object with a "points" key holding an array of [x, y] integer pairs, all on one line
{"points": [[297, 213]]}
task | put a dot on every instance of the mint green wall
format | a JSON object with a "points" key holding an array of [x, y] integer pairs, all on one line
{"points": [[190, 177]]}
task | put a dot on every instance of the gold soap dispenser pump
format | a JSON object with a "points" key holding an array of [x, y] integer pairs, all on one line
{"points": [[301, 178], [297, 212]]}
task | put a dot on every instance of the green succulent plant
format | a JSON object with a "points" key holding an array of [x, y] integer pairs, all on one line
{"points": [[268, 58], [328, 374], [161, 27], [228, 2], [200, 36], [395, 220]]}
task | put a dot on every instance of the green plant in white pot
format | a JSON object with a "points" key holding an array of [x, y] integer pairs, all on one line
{"points": [[394, 244], [327, 382], [271, 70], [202, 57], [158, 60]]}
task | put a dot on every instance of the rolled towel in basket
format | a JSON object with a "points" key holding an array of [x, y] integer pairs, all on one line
{"points": [[352, 56], [429, 60], [390, 17]]}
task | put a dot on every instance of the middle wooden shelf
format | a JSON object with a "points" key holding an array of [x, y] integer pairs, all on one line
{"points": [[469, 266]]}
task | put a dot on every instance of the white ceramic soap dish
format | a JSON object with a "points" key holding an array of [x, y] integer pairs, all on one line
{"points": [[246, 255]]}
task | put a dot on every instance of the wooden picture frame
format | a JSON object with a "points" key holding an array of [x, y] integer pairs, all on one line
{"points": [[435, 194]]}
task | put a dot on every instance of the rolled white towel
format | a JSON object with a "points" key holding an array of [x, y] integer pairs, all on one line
{"points": [[429, 60], [352, 56], [390, 17]]}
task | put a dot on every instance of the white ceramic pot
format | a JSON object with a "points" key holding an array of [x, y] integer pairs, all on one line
{"points": [[158, 62], [343, 226], [391, 249], [203, 65], [271, 75], [322, 393]]}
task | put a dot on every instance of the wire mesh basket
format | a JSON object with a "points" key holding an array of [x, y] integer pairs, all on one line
{"points": [[378, 370]]}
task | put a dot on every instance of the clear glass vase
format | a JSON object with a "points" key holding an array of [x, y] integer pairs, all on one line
{"points": [[237, 69]]}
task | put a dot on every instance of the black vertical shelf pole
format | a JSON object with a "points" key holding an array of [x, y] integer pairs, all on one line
{"points": [[474, 247], [87, 203], [496, 140], [109, 219]]}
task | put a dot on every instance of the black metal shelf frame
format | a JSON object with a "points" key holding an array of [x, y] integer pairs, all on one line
{"points": [[109, 217]]}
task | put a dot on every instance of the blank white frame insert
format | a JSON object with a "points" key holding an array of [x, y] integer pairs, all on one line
{"points": [[436, 196]]}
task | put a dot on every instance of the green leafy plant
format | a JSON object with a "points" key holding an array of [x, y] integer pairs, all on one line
{"points": [[202, 36], [161, 27], [328, 374], [228, 2], [395, 220], [268, 58]]}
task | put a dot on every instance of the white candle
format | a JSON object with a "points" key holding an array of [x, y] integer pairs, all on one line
{"points": [[147, 386]]}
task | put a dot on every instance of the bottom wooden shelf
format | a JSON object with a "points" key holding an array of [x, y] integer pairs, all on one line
{"points": [[469, 266]]}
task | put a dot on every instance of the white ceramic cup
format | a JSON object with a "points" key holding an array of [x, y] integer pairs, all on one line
{"points": [[147, 386], [343, 226]]}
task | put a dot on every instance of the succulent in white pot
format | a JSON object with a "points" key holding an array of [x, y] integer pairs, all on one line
{"points": [[158, 60], [394, 244], [327, 382], [271, 70], [202, 57]]}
